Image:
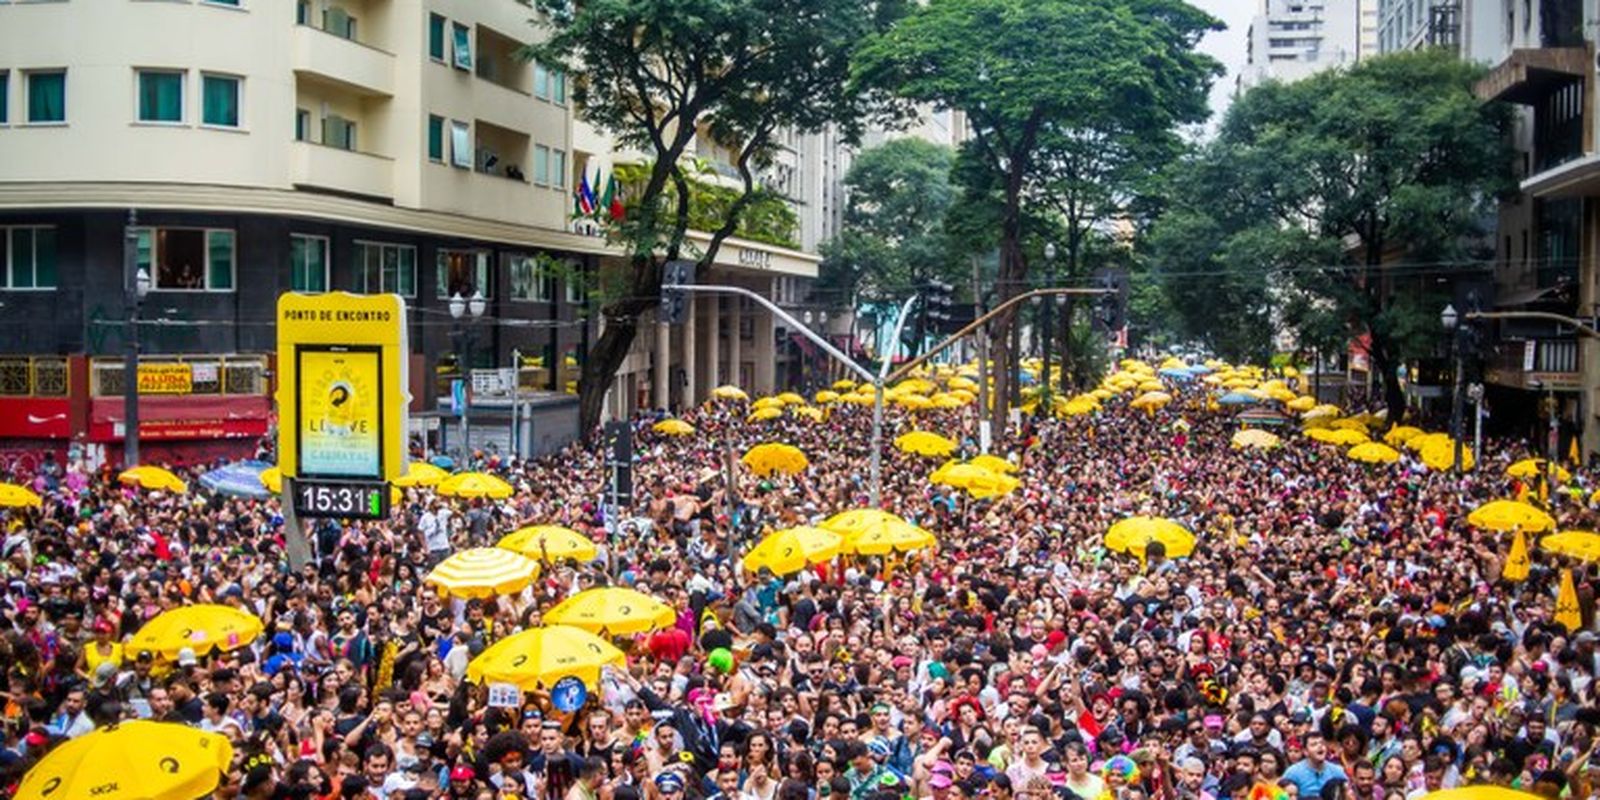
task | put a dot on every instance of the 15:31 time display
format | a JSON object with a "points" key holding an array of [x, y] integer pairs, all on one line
{"points": [[341, 499]]}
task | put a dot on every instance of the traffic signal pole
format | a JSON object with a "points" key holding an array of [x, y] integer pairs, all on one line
{"points": [[907, 367]]}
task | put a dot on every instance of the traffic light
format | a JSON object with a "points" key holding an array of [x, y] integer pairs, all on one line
{"points": [[675, 302], [937, 302], [1111, 310]]}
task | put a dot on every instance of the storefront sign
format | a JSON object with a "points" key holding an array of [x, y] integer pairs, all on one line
{"points": [[165, 379], [754, 258]]}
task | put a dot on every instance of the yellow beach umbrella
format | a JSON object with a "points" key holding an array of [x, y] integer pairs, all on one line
{"points": [[1480, 792], [859, 519], [1342, 437], [673, 427], [1507, 515], [482, 572], [827, 396], [913, 402], [1255, 438], [538, 657], [809, 412], [14, 496], [950, 400], [420, 473], [765, 414], [1304, 402], [792, 549], [1582, 545], [1321, 411], [791, 399], [765, 459], [900, 537], [1400, 434], [729, 393], [203, 627], [1416, 443], [1349, 424], [1440, 455], [272, 479], [1151, 400], [844, 385], [613, 611], [767, 402], [925, 443], [549, 543], [134, 760], [960, 382], [915, 386], [994, 464], [153, 478], [1374, 453], [475, 484], [1134, 534], [1533, 468]]}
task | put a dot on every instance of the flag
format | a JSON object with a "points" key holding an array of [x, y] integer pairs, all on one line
{"points": [[614, 201], [604, 206], [1567, 603], [585, 196], [1572, 452], [1516, 569]]}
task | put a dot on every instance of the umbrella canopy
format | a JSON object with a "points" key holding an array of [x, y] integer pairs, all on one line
{"points": [[549, 543], [1238, 399], [1440, 455], [1343, 437], [925, 443], [1374, 453], [792, 549], [809, 412], [1134, 534], [1582, 545], [1151, 400], [979, 482], [14, 496], [844, 385], [765, 414], [899, 536], [538, 657], [827, 396], [1349, 423], [994, 464], [791, 399], [1533, 468], [767, 402], [1320, 411], [202, 628], [1481, 792], [729, 393], [239, 479], [136, 760], [421, 473], [765, 459], [1255, 438], [271, 479], [1416, 443], [613, 611], [1506, 515], [913, 402], [475, 484], [482, 572], [859, 519], [960, 382], [1400, 434], [1304, 402], [153, 478]]}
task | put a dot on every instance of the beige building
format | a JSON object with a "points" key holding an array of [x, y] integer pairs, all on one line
{"points": [[314, 145]]}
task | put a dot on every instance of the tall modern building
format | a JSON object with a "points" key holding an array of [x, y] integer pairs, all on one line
{"points": [[253, 147], [1291, 39]]}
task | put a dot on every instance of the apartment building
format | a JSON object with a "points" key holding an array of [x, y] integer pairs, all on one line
{"points": [[267, 146], [1292, 39]]}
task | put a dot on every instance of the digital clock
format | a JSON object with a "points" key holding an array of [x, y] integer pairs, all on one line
{"points": [[341, 499]]}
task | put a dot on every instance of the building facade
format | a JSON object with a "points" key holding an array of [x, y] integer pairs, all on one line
{"points": [[266, 146], [1292, 39]]}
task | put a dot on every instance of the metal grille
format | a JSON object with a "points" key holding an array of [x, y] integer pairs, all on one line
{"points": [[14, 378], [244, 377], [50, 377]]}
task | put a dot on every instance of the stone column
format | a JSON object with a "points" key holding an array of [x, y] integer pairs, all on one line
{"points": [[766, 366], [662, 365], [691, 343], [713, 334], [735, 344]]}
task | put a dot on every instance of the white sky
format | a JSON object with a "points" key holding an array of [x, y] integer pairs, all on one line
{"points": [[1226, 46]]}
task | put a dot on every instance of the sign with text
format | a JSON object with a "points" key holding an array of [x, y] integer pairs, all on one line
{"points": [[166, 379], [342, 399]]}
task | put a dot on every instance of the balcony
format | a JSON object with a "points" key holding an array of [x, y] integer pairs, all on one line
{"points": [[342, 61], [338, 170], [1535, 364]]}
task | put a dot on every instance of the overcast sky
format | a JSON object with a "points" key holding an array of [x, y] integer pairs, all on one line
{"points": [[1226, 46]]}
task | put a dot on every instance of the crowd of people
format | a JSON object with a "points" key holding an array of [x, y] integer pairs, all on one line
{"points": [[1339, 632]]}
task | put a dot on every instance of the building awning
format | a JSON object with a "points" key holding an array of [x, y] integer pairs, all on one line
{"points": [[1579, 177], [1531, 73]]}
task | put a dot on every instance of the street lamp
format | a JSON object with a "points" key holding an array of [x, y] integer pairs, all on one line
{"points": [[1452, 325], [1049, 328], [460, 334], [136, 285]]}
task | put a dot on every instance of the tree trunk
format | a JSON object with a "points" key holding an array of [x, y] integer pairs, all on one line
{"points": [[1394, 397], [600, 368]]}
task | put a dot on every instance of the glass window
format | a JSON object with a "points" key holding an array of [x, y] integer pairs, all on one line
{"points": [[435, 138], [541, 165], [302, 12], [460, 144], [541, 81], [47, 96], [219, 260], [308, 263], [386, 268], [462, 40], [302, 124], [436, 37], [558, 168], [577, 293], [529, 279], [463, 272], [219, 99], [188, 259], [32, 257], [337, 21], [234, 3], [558, 86], [338, 132], [160, 96]]}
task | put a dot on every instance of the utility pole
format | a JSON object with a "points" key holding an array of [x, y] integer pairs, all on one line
{"points": [[135, 285], [983, 359]]}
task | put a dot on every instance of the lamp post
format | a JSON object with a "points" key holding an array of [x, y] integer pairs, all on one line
{"points": [[1049, 329], [135, 285], [460, 307], [1452, 323]]}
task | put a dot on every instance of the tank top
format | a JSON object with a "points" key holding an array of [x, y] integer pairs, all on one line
{"points": [[92, 657]]}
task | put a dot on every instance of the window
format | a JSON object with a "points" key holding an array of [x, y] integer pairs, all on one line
{"points": [[577, 292], [541, 81], [219, 100], [388, 268], [308, 263], [463, 46], [47, 96], [558, 87], [436, 37], [435, 138], [5, 97], [230, 3], [530, 279], [541, 165], [463, 272], [337, 21], [302, 12], [30, 257], [302, 124], [188, 259], [338, 132], [558, 168], [460, 144], [160, 96]]}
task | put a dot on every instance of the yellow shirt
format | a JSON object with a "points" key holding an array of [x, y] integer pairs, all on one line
{"points": [[94, 659]]}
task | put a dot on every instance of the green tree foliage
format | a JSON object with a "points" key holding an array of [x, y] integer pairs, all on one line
{"points": [[892, 240], [656, 74], [1038, 76], [767, 216]]}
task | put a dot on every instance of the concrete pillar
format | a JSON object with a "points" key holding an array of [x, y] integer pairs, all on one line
{"points": [[735, 344], [691, 344], [661, 367], [713, 335], [766, 359]]}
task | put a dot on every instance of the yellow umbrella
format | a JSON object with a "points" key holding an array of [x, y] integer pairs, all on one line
{"points": [[1507, 515], [153, 478], [925, 443], [791, 399], [1567, 612], [950, 400], [915, 386], [809, 412], [959, 382], [1133, 534], [994, 464], [134, 760], [475, 484], [827, 396], [1349, 423], [1441, 455], [1582, 545], [899, 536], [482, 572], [613, 611], [844, 385], [14, 496], [1343, 437], [1151, 400], [764, 414], [765, 459], [272, 479], [538, 657], [1255, 438], [1481, 792], [979, 482], [859, 519], [729, 393], [1324, 410], [767, 402], [1304, 402], [1533, 468], [1150, 386], [792, 549], [1374, 453], [1516, 568], [1400, 434], [913, 402], [549, 543], [1416, 443], [673, 427], [202, 628], [418, 473]]}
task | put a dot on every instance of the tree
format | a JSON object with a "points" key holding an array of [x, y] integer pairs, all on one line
{"points": [[1027, 72], [657, 74], [1311, 186]]}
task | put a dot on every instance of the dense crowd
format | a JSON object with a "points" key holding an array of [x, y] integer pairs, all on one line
{"points": [[1339, 632]]}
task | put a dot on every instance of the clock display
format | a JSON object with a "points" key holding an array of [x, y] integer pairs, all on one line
{"points": [[341, 499]]}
